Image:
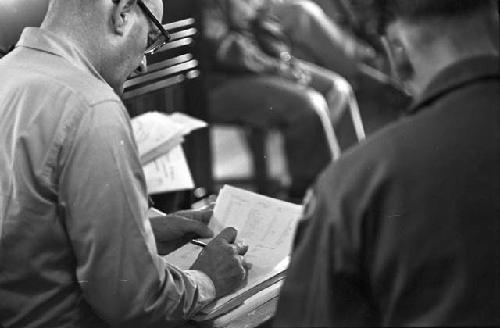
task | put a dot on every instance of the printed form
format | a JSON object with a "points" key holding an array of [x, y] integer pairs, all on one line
{"points": [[265, 224]]}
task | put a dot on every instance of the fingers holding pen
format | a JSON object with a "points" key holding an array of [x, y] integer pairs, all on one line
{"points": [[223, 261], [241, 247]]}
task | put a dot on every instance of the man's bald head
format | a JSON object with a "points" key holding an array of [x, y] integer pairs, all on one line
{"points": [[113, 34]]}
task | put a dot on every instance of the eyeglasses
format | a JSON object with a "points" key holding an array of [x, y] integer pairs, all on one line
{"points": [[157, 41]]}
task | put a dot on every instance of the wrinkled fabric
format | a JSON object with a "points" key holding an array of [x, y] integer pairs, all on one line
{"points": [[76, 247], [234, 42], [404, 230]]}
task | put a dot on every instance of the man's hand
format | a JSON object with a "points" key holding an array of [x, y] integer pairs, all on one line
{"points": [[174, 230], [222, 260], [295, 71]]}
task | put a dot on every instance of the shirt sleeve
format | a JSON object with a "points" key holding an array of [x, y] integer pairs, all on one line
{"points": [[103, 203]]}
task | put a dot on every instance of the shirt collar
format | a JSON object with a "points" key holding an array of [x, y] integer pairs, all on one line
{"points": [[46, 41], [457, 76]]}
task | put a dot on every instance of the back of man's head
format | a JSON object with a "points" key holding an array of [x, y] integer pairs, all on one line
{"points": [[424, 36], [418, 11]]}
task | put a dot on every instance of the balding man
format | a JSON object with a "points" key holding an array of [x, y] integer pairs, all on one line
{"points": [[404, 230], [76, 247]]}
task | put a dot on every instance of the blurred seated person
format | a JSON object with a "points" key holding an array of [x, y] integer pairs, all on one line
{"points": [[319, 38], [256, 80]]}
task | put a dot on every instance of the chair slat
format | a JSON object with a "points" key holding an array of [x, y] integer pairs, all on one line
{"points": [[179, 24], [170, 62], [176, 69], [154, 86]]}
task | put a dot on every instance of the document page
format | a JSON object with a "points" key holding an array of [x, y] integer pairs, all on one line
{"points": [[187, 122], [152, 130], [267, 225], [158, 133], [169, 172]]}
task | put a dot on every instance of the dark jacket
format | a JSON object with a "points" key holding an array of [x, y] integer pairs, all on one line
{"points": [[405, 229]]}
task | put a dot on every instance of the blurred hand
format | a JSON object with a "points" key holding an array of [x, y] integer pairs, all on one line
{"points": [[222, 260], [174, 230], [302, 76], [295, 72]]}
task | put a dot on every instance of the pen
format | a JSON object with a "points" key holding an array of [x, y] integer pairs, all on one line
{"points": [[198, 243]]}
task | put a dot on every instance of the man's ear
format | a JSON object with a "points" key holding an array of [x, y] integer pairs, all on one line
{"points": [[401, 67], [121, 14]]}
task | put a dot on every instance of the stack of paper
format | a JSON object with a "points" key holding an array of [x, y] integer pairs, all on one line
{"points": [[267, 225], [159, 137]]}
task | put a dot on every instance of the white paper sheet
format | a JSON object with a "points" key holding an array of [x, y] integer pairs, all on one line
{"points": [[169, 172]]}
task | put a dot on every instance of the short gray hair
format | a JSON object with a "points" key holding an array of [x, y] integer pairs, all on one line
{"points": [[383, 12]]}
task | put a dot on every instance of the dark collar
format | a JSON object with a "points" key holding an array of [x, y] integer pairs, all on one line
{"points": [[457, 76]]}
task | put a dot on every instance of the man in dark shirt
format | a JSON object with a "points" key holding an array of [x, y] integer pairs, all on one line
{"points": [[404, 230]]}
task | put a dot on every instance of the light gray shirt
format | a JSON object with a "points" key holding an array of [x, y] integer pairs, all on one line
{"points": [[76, 247]]}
